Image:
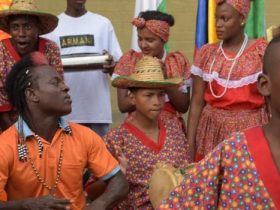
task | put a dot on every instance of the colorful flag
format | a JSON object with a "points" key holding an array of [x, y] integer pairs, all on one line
{"points": [[212, 36], [143, 5], [201, 34], [205, 22], [255, 25]]}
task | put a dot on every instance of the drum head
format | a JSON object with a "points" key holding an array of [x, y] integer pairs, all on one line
{"points": [[162, 182]]}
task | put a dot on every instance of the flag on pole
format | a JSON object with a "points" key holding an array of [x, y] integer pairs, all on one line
{"points": [[205, 22], [255, 25], [212, 36], [143, 5], [201, 33]]}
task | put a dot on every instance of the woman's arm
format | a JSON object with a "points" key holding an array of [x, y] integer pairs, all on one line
{"points": [[178, 99], [124, 101], [197, 104]]}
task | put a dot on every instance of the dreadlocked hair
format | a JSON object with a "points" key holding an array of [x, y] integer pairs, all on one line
{"points": [[20, 78], [157, 15]]}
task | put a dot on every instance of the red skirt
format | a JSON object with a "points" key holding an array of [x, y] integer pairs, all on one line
{"points": [[217, 124]]}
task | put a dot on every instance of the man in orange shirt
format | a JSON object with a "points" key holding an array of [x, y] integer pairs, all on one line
{"points": [[43, 157]]}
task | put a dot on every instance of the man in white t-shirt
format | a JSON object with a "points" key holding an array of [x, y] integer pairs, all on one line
{"points": [[81, 31]]}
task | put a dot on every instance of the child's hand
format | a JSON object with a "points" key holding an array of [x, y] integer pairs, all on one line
{"points": [[121, 158], [123, 162]]}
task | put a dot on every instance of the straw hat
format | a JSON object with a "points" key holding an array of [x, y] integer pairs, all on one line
{"points": [[47, 22], [148, 74]]}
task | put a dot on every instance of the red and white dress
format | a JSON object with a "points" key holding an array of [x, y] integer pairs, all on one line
{"points": [[241, 107], [175, 65]]}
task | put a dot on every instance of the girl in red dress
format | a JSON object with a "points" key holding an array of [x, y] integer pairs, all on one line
{"points": [[242, 172], [153, 33], [225, 96]]}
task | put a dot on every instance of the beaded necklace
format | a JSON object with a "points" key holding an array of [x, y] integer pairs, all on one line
{"points": [[241, 50], [41, 180]]}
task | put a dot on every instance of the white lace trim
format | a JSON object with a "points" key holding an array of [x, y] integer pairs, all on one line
{"points": [[196, 71], [231, 84]]}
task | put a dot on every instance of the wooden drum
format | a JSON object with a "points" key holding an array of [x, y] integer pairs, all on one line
{"points": [[163, 180]]}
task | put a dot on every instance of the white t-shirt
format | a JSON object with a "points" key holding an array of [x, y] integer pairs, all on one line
{"points": [[90, 33]]}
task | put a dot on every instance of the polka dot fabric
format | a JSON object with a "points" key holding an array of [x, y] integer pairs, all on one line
{"points": [[226, 179], [143, 154]]}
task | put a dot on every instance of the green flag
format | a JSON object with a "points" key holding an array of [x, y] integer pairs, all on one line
{"points": [[255, 25]]}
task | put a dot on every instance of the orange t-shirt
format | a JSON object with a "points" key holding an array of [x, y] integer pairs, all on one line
{"points": [[82, 149]]}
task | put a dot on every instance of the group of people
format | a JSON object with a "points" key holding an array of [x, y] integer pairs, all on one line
{"points": [[48, 142]]}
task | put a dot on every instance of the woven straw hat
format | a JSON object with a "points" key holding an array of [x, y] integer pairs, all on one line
{"points": [[47, 22], [148, 74]]}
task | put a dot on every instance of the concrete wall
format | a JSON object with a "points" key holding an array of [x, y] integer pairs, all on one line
{"points": [[120, 12]]}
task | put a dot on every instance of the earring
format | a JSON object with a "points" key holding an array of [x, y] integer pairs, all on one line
{"points": [[242, 24]]}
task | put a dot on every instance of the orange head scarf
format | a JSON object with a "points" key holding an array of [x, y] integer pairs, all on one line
{"points": [[242, 6], [158, 27]]}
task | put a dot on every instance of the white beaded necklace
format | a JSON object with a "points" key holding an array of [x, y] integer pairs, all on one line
{"points": [[241, 50]]}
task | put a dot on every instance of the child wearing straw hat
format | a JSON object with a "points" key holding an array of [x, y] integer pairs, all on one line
{"points": [[24, 22], [153, 31], [142, 141]]}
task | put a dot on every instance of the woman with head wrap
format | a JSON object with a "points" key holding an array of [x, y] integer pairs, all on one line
{"points": [[242, 172], [153, 32], [225, 97]]}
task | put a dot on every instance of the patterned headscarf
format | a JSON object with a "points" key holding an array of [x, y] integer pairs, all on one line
{"points": [[242, 6], [158, 27]]}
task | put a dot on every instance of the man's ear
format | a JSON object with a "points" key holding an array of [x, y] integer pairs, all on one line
{"points": [[31, 95], [264, 85]]}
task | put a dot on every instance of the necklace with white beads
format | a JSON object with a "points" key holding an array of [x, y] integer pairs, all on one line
{"points": [[241, 50]]}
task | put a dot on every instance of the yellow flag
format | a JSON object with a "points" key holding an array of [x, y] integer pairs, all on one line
{"points": [[212, 36]]}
